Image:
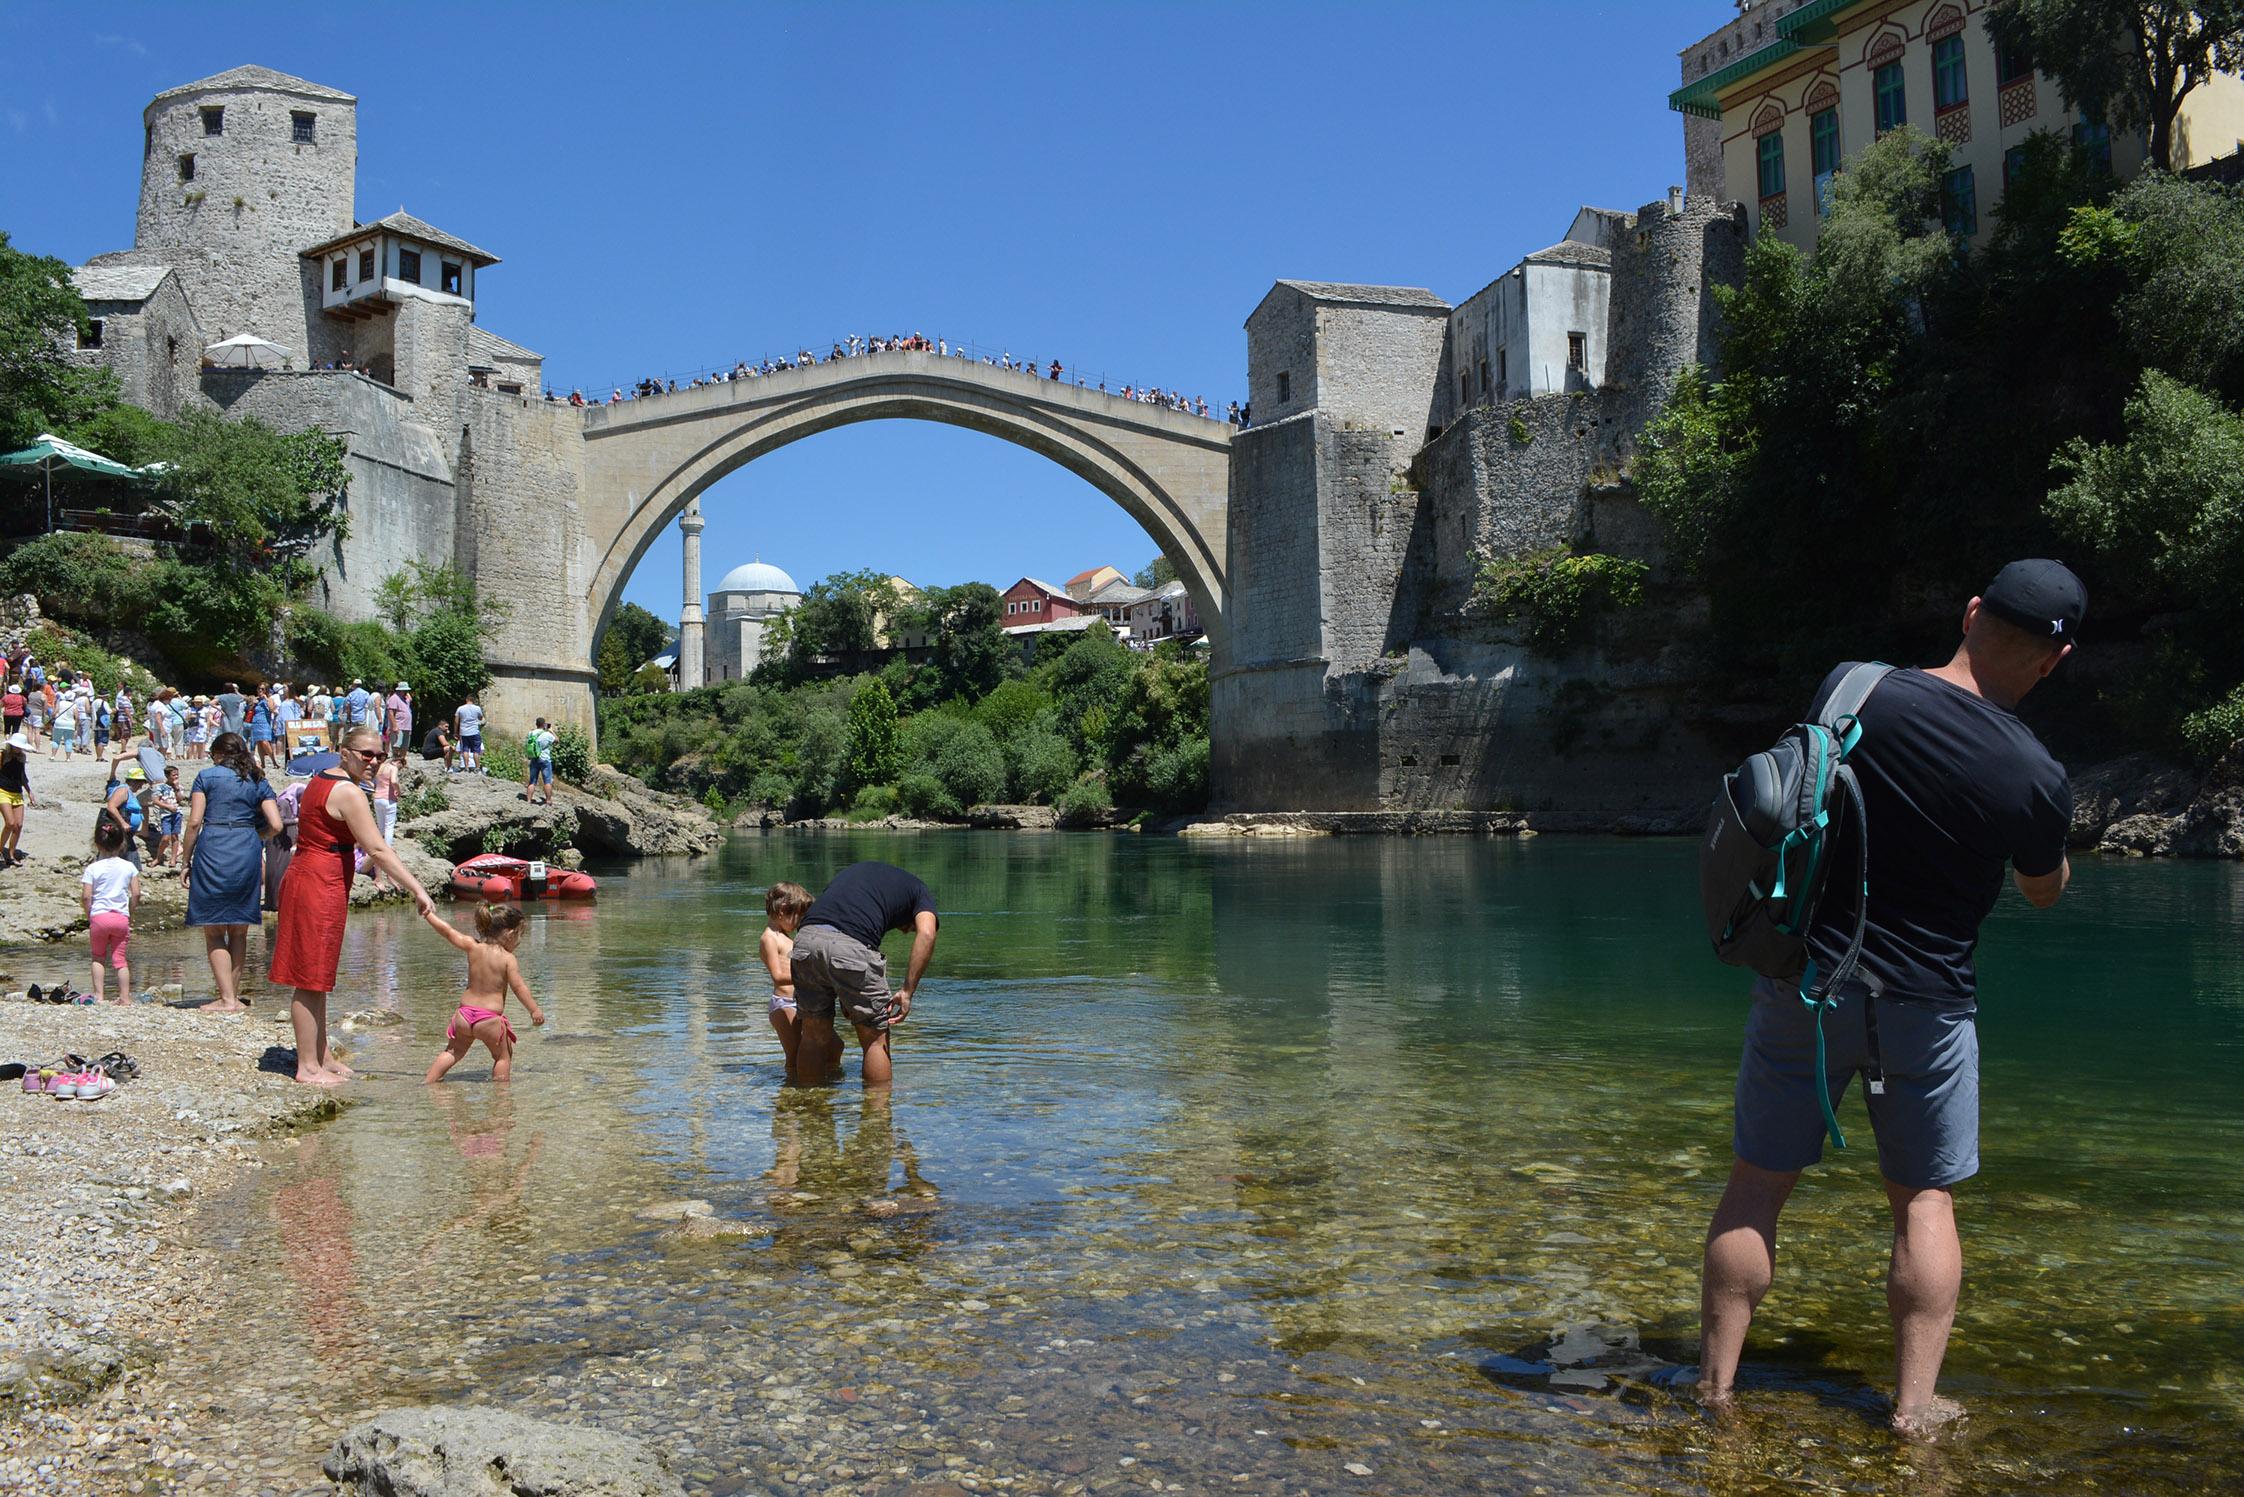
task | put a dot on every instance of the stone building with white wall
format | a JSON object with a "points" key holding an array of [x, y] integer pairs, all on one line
{"points": [[1539, 328]]}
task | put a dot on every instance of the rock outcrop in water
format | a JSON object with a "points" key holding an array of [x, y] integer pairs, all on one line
{"points": [[2143, 806], [611, 815], [458, 1451]]}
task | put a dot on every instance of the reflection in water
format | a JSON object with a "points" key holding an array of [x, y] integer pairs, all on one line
{"points": [[1255, 1161], [318, 1252]]}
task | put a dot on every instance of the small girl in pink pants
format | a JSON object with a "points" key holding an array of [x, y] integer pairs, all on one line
{"points": [[492, 974]]}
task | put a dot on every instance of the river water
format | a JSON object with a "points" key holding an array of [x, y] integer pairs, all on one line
{"points": [[1373, 1165]]}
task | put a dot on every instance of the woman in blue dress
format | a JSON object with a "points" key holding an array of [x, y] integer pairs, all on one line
{"points": [[261, 729], [231, 812]]}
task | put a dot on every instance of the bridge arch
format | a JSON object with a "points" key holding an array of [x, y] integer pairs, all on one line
{"points": [[646, 460]]}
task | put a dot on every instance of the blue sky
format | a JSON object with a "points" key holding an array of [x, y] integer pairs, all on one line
{"points": [[672, 186]]}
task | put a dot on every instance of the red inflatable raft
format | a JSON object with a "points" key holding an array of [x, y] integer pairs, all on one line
{"points": [[495, 876]]}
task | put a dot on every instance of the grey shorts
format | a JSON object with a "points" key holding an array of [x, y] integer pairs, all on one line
{"points": [[837, 972], [1927, 1121]]}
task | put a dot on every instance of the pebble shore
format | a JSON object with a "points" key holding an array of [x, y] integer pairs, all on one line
{"points": [[97, 1237]]}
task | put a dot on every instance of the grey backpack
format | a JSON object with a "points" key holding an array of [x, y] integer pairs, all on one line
{"points": [[1765, 862]]}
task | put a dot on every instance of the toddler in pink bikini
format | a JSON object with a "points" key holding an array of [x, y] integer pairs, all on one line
{"points": [[492, 974]]}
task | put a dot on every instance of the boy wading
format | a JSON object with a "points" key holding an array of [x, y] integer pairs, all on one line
{"points": [[1955, 789], [838, 966]]}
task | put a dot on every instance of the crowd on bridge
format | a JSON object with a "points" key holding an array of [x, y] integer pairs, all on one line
{"points": [[854, 346]]}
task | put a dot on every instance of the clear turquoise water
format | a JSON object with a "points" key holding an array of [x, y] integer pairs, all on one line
{"points": [[1230, 1166]]}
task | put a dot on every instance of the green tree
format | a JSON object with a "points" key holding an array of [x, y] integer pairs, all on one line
{"points": [[2179, 248], [2129, 63], [1087, 681], [614, 664], [1012, 708], [1158, 572], [1039, 764], [874, 753], [972, 654], [642, 634], [971, 767], [840, 615], [2164, 509], [41, 315]]}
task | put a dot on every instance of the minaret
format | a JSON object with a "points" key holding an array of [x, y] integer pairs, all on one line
{"points": [[689, 621]]}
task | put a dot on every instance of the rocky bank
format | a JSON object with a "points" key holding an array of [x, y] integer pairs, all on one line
{"points": [[2143, 806], [98, 1238]]}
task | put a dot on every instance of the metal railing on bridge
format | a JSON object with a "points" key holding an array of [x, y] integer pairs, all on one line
{"points": [[677, 381]]}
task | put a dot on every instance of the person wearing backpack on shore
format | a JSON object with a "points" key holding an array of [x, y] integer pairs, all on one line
{"points": [[1954, 789]]}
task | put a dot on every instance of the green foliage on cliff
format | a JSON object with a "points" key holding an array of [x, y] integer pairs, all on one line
{"points": [[1555, 595], [1897, 417], [873, 752], [249, 502]]}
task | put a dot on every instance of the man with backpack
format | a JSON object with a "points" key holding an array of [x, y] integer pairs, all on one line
{"points": [[1953, 789]]}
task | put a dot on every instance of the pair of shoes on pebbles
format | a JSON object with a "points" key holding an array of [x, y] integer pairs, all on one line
{"points": [[73, 1078], [56, 994]]}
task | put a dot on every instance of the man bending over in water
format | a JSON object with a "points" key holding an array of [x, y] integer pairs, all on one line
{"points": [[1954, 787], [837, 965]]}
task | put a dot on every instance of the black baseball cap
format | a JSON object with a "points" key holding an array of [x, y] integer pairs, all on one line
{"points": [[2043, 598]]}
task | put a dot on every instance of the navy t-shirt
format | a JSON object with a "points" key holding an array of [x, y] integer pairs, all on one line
{"points": [[1954, 789], [865, 901]]}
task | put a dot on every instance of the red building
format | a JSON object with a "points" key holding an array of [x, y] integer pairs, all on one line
{"points": [[1029, 601]]}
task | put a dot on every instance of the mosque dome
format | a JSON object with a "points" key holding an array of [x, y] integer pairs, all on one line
{"points": [[757, 577]]}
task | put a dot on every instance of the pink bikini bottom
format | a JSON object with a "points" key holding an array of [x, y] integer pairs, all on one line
{"points": [[469, 1016]]}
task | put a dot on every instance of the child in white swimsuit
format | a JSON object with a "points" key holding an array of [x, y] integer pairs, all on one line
{"points": [[784, 905]]}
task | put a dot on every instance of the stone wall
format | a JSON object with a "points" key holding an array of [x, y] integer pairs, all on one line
{"points": [[153, 346], [1273, 553], [521, 534], [1378, 367], [401, 503], [1282, 339], [1663, 315], [258, 197]]}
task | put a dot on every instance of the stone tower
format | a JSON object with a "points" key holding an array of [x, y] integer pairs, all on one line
{"points": [[1663, 315], [239, 173]]}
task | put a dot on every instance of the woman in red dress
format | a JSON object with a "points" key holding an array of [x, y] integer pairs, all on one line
{"points": [[333, 819]]}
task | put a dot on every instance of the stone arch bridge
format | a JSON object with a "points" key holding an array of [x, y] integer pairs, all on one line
{"points": [[635, 466]]}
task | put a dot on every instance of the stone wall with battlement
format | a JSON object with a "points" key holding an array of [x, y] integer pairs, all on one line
{"points": [[402, 502]]}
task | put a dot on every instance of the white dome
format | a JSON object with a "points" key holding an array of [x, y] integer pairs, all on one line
{"points": [[757, 577]]}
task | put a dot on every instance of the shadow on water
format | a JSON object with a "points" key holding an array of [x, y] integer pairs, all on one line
{"points": [[1247, 1165]]}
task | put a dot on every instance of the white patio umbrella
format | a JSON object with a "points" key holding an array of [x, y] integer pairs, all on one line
{"points": [[246, 351]]}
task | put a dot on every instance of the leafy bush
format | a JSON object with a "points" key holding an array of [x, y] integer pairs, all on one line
{"points": [[923, 795], [971, 767], [1556, 594], [1085, 803], [503, 759], [2210, 733], [873, 802], [53, 643], [771, 789], [572, 754], [713, 801], [76, 575], [426, 801], [1041, 763]]}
